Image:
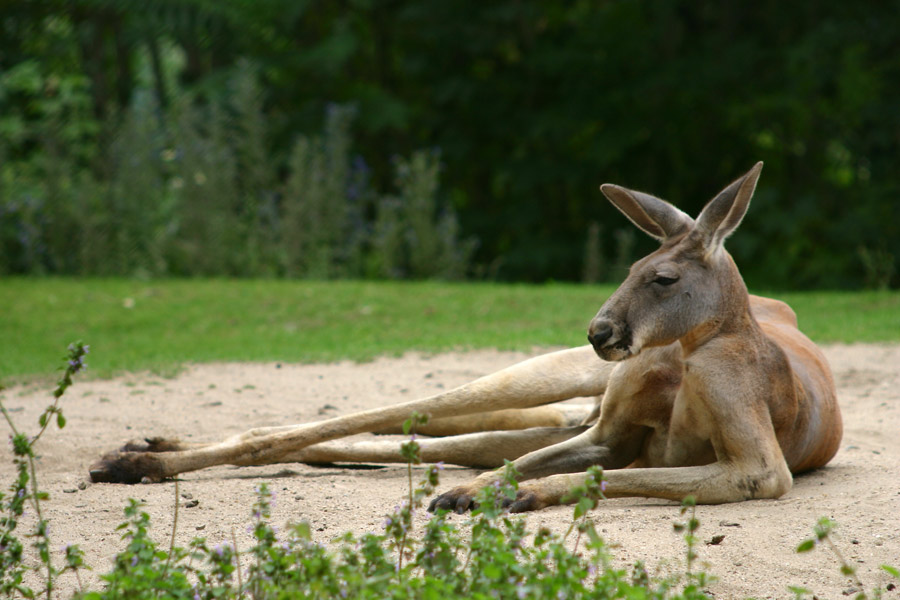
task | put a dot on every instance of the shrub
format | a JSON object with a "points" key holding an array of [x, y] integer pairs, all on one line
{"points": [[194, 189]]}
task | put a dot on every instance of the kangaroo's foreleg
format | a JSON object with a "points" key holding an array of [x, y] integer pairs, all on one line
{"points": [[572, 455], [716, 483]]}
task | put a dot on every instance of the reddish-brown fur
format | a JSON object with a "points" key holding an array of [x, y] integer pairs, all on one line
{"points": [[701, 390]]}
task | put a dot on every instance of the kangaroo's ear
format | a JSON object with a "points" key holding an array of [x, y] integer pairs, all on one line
{"points": [[721, 216], [653, 216]]}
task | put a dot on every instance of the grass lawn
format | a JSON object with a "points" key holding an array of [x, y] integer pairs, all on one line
{"points": [[157, 325]]}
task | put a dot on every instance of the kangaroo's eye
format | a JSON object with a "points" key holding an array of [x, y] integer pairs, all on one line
{"points": [[664, 280]]}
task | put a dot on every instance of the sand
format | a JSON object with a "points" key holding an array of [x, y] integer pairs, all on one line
{"points": [[859, 489]]}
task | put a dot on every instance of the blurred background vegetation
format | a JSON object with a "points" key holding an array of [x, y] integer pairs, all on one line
{"points": [[435, 139]]}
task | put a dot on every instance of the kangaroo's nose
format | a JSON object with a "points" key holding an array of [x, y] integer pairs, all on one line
{"points": [[599, 333]]}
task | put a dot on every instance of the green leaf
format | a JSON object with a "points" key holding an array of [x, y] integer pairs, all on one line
{"points": [[303, 530], [806, 546], [60, 420], [584, 506], [893, 571], [492, 571]]}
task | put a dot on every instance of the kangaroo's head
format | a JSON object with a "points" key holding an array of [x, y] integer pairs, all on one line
{"points": [[688, 288]]}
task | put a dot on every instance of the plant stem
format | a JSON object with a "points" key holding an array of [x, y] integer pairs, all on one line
{"points": [[174, 528], [843, 561], [237, 562]]}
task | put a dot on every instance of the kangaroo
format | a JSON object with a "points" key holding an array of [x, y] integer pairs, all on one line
{"points": [[702, 389]]}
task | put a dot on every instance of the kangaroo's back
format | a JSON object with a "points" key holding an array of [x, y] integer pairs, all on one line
{"points": [[810, 431]]}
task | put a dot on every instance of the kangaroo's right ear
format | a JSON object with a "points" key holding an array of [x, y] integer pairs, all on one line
{"points": [[653, 216]]}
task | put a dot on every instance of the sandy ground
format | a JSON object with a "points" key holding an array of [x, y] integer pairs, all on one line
{"points": [[859, 488]]}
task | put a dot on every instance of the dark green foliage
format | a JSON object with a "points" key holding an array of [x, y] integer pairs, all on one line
{"points": [[192, 191], [532, 105], [193, 183]]}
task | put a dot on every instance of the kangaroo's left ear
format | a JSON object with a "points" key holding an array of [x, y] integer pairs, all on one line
{"points": [[657, 218], [721, 216]]}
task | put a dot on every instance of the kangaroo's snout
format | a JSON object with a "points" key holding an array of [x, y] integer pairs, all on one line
{"points": [[599, 333], [611, 340]]}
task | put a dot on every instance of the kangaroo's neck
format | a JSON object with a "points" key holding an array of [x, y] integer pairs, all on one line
{"points": [[731, 317]]}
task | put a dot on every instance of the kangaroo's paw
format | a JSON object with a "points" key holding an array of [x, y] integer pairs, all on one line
{"points": [[459, 500], [127, 467]]}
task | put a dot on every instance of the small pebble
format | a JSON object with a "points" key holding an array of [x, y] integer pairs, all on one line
{"points": [[728, 524]]}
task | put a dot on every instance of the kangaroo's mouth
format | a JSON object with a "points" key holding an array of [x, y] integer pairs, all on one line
{"points": [[620, 348]]}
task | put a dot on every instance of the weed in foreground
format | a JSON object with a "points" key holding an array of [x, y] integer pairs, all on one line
{"points": [[822, 532], [25, 492]]}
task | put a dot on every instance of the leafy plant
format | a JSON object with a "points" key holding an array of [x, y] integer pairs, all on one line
{"points": [[25, 492], [192, 188], [822, 533]]}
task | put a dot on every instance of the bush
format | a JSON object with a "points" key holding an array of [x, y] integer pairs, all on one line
{"points": [[194, 190]]}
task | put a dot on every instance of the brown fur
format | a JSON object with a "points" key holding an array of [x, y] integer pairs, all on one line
{"points": [[701, 390]]}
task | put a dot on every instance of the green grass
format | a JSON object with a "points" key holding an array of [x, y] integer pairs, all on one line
{"points": [[158, 325]]}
